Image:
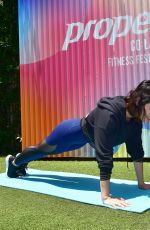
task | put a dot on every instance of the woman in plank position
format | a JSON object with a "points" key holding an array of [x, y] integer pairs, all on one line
{"points": [[114, 121]]}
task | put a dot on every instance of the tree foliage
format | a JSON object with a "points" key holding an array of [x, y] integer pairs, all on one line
{"points": [[9, 78]]}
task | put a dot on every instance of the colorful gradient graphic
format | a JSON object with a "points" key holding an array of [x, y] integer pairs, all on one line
{"points": [[73, 52]]}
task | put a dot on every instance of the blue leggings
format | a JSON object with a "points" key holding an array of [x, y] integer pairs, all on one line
{"points": [[67, 136]]}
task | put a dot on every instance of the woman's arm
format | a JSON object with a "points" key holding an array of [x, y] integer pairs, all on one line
{"points": [[104, 134], [120, 202], [140, 176], [107, 199]]}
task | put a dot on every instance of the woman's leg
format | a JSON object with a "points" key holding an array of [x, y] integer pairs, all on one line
{"points": [[65, 137]]}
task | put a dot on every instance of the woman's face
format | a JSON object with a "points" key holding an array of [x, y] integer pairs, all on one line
{"points": [[147, 112]]}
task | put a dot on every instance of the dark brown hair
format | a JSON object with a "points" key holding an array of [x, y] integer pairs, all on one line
{"points": [[137, 98]]}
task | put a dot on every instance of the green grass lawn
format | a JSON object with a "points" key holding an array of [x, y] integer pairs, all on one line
{"points": [[23, 210]]}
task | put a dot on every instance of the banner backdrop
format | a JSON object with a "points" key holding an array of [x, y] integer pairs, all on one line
{"points": [[72, 52]]}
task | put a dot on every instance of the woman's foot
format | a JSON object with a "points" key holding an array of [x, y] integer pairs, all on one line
{"points": [[13, 171]]}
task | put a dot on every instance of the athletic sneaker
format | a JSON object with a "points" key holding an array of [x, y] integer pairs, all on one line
{"points": [[12, 170]]}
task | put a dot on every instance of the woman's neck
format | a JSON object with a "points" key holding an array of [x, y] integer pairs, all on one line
{"points": [[128, 115]]}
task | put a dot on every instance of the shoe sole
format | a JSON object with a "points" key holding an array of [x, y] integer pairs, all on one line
{"points": [[7, 162]]}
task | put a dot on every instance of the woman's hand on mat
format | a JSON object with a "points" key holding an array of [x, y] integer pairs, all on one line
{"points": [[144, 186], [116, 202]]}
